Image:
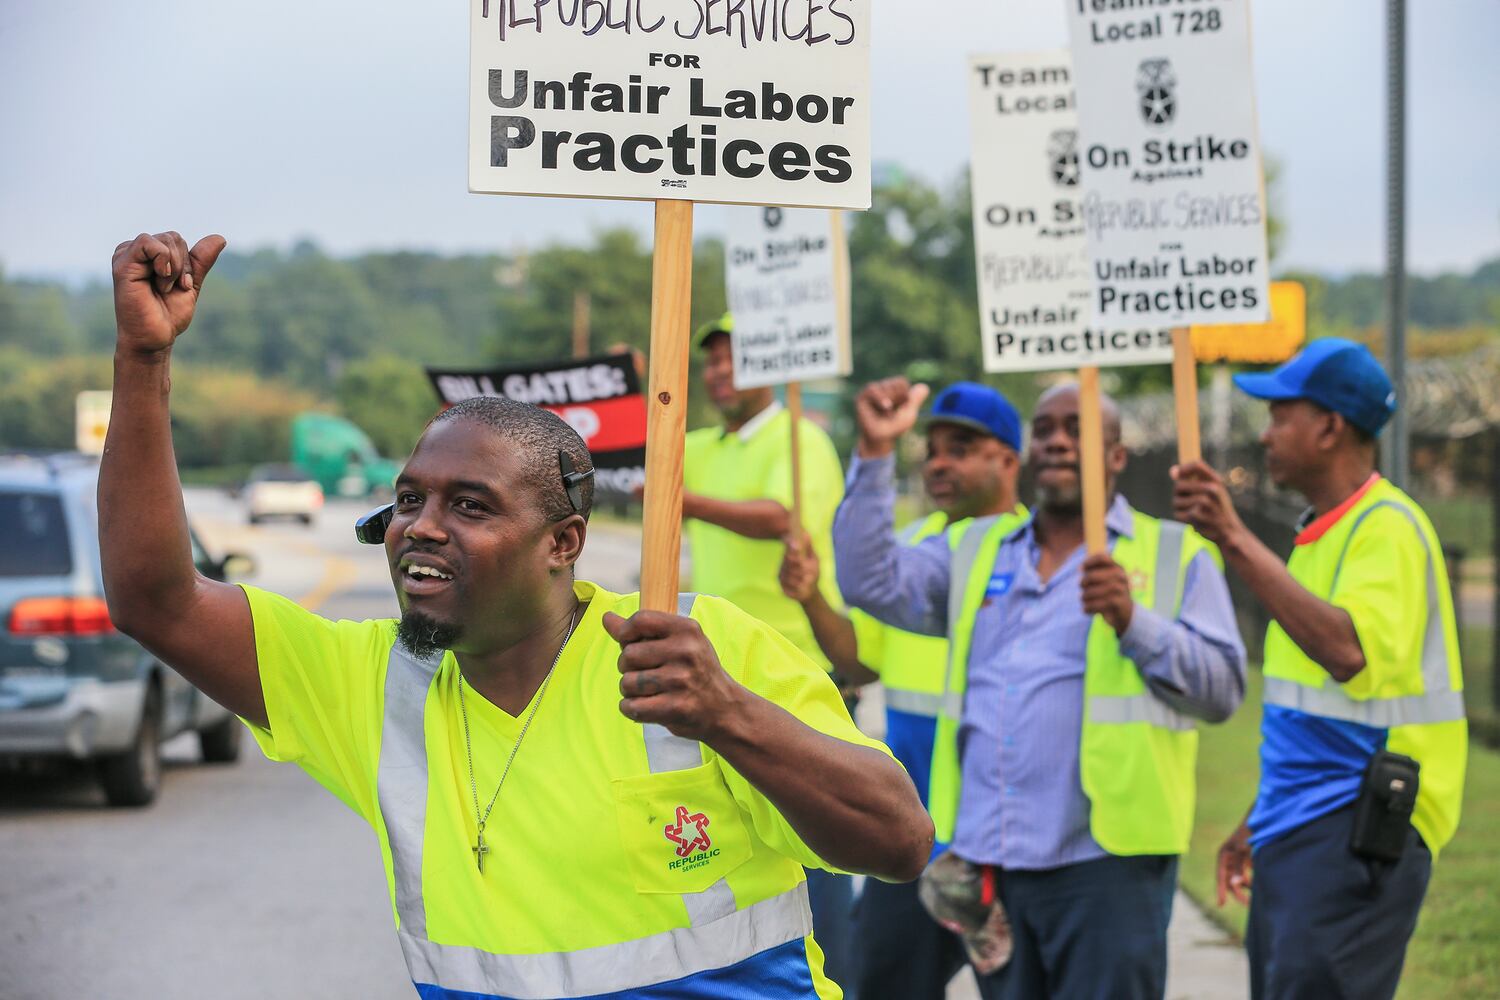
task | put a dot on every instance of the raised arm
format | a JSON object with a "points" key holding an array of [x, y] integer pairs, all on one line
{"points": [[904, 586], [1322, 630], [200, 627], [854, 806]]}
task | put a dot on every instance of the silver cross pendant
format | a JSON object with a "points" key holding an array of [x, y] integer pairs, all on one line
{"points": [[479, 850]]}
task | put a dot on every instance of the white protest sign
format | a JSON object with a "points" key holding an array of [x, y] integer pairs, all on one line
{"points": [[1029, 246], [750, 101], [1174, 206], [781, 277]]}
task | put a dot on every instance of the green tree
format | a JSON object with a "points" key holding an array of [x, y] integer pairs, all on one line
{"points": [[390, 399]]}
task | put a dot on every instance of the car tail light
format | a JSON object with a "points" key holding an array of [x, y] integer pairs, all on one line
{"points": [[60, 616]]}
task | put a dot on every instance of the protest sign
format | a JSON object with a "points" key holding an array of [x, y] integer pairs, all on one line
{"points": [[599, 397], [783, 290], [1173, 206], [763, 102], [1030, 249], [755, 103]]}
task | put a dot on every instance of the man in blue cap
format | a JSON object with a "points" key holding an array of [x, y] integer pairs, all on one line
{"points": [[1063, 763], [971, 469], [1363, 739]]}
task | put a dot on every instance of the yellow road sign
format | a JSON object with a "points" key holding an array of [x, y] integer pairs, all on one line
{"points": [[92, 420], [1262, 343]]}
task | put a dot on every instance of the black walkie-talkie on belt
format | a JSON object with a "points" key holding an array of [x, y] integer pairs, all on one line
{"points": [[1382, 813]]}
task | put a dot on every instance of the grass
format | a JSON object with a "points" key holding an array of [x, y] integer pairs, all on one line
{"points": [[1466, 518], [1454, 952]]}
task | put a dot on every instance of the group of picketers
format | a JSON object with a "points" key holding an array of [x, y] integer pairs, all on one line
{"points": [[577, 798], [1046, 701]]}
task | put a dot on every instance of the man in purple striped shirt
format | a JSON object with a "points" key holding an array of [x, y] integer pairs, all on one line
{"points": [[1055, 751]]}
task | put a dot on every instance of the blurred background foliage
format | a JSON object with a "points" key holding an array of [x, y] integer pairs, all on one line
{"points": [[281, 331]]}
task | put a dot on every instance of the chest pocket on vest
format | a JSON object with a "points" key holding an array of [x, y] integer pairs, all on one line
{"points": [[682, 830]]}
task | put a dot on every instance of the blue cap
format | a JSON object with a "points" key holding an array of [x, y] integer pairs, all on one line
{"points": [[980, 408], [1338, 375]]}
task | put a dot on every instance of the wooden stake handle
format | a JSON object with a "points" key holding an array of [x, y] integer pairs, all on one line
{"points": [[666, 403], [1091, 460], [1185, 391], [794, 408]]}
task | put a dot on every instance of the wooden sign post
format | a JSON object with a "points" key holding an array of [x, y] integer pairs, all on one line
{"points": [[1185, 393], [1091, 460], [666, 403], [794, 410]]}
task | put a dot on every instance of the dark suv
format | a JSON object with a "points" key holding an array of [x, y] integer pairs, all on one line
{"points": [[70, 684]]}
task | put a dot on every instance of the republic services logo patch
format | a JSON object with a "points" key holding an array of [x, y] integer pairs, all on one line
{"points": [[689, 833]]}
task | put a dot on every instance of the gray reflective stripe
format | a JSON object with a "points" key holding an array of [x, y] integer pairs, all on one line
{"points": [[1333, 703], [1434, 644], [611, 968], [401, 781], [961, 567], [713, 903], [1120, 709], [923, 703], [1168, 567]]}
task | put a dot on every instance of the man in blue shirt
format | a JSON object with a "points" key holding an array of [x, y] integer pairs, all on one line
{"points": [[1361, 661], [1085, 922], [973, 462]]}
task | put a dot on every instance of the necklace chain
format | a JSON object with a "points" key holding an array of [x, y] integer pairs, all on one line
{"points": [[479, 849]]}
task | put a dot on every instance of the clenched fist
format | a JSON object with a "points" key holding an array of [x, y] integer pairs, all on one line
{"points": [[886, 410], [157, 281]]}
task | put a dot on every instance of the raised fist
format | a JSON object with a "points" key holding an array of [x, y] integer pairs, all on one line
{"points": [[157, 281], [886, 410]]}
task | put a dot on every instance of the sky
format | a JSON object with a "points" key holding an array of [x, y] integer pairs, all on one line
{"points": [[345, 123]]}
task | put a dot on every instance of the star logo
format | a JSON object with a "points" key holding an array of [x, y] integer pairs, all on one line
{"points": [[1062, 155], [1140, 580], [695, 837], [1156, 84], [772, 217]]}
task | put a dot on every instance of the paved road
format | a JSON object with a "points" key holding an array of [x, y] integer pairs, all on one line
{"points": [[249, 881]]}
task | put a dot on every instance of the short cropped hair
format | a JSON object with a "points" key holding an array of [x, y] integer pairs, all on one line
{"points": [[538, 435]]}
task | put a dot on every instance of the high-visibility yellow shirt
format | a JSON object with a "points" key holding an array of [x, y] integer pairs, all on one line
{"points": [[755, 463], [1377, 557], [580, 853]]}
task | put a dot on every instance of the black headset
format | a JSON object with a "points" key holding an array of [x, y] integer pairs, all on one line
{"points": [[370, 529]]}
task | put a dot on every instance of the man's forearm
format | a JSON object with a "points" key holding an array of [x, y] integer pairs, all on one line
{"points": [[758, 519], [836, 638], [1321, 630], [905, 587], [853, 805], [145, 555]]}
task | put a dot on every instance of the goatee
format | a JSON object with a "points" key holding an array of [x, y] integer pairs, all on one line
{"points": [[424, 637]]}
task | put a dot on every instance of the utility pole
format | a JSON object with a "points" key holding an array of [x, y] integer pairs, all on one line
{"points": [[1395, 448]]}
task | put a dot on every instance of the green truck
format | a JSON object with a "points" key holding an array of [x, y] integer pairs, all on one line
{"points": [[340, 456]]}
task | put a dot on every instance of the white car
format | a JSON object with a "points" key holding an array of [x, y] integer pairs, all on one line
{"points": [[282, 491]]}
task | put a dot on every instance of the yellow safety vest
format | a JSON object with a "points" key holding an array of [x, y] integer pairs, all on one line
{"points": [[725, 929], [1136, 753], [1417, 698]]}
